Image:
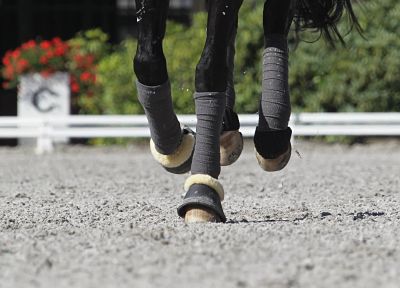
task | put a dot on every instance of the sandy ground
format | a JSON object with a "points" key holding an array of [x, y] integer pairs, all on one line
{"points": [[86, 217]]}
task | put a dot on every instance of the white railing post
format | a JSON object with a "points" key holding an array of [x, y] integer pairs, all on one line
{"points": [[45, 139]]}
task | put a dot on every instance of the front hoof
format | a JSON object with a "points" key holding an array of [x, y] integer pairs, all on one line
{"points": [[201, 215], [231, 146], [202, 201]]}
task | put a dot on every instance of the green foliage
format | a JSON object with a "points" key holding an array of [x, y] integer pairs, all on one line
{"points": [[182, 48], [116, 80], [249, 44], [363, 76], [91, 42]]}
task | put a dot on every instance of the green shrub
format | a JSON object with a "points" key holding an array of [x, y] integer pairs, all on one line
{"points": [[116, 80], [182, 48], [363, 76]]}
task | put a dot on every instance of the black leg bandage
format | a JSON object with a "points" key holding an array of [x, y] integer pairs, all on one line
{"points": [[209, 111], [165, 128], [275, 101]]}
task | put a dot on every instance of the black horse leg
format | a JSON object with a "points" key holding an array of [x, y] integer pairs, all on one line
{"points": [[204, 190], [231, 140], [230, 90], [211, 72], [211, 84], [277, 17], [154, 91], [149, 63], [272, 138]]}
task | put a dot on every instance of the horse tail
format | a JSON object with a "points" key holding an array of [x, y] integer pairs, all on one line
{"points": [[323, 16]]}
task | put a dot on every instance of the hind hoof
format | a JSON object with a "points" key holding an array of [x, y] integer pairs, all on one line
{"points": [[231, 146], [276, 164], [273, 148]]}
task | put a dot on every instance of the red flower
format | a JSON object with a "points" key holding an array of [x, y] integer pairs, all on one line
{"points": [[60, 51], [22, 64], [75, 87], [43, 60], [86, 76], [28, 45], [8, 54], [57, 41], [6, 60], [16, 53], [45, 44], [52, 55], [9, 72]]}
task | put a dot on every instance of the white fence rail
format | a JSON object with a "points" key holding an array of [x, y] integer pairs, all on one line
{"points": [[46, 130]]}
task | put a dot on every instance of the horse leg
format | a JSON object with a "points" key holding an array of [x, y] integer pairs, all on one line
{"points": [[202, 202], [231, 140], [272, 137], [230, 89], [170, 145]]}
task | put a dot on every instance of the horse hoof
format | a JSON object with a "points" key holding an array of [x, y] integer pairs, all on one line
{"points": [[180, 161], [201, 215], [276, 164], [273, 148], [231, 146], [202, 202]]}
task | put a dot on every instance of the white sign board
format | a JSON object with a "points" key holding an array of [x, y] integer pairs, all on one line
{"points": [[44, 96]]}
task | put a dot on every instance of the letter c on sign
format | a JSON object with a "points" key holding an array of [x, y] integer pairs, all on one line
{"points": [[41, 97]]}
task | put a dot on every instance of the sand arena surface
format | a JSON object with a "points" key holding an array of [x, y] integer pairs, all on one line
{"points": [[90, 217]]}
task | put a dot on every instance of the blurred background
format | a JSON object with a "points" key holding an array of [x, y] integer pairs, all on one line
{"points": [[362, 76]]}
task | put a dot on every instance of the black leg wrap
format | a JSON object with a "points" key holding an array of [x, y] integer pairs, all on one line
{"points": [[230, 120], [271, 144], [200, 195]]}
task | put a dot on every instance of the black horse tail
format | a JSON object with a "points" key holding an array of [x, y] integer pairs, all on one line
{"points": [[323, 16]]}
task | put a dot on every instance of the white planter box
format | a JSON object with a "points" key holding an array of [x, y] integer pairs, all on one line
{"points": [[40, 97]]}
